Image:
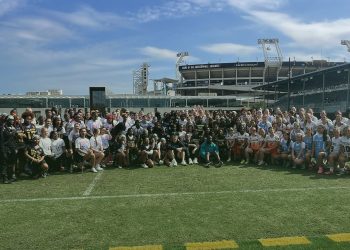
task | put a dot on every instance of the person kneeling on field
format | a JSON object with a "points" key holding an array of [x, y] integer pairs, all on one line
{"points": [[84, 152], [36, 164], [209, 150], [298, 151], [176, 151], [121, 158], [146, 153]]}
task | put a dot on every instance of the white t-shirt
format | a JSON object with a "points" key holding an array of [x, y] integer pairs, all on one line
{"points": [[96, 143], [57, 147], [45, 144], [83, 144], [336, 144], [105, 140], [345, 142]]}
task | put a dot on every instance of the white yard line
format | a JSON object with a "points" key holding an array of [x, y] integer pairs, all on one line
{"points": [[86, 197], [89, 189]]}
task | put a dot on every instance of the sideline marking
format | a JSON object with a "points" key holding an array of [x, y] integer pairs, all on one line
{"points": [[284, 241], [93, 184], [147, 247], [344, 237], [211, 245], [171, 194]]}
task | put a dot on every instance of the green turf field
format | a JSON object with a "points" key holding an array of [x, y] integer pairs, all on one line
{"points": [[174, 206]]}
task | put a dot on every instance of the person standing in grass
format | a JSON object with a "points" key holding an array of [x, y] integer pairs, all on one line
{"points": [[120, 151], [298, 151], [321, 141], [285, 149], [308, 147], [270, 147], [83, 149], [58, 150], [344, 155], [230, 142], [35, 156], [334, 151], [209, 150], [240, 144], [254, 144], [97, 148]]}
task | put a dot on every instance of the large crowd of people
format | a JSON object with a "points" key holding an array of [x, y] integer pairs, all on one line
{"points": [[74, 140]]}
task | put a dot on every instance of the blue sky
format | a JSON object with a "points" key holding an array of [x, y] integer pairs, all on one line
{"points": [[72, 45]]}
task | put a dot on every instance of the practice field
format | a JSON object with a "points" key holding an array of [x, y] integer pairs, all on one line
{"points": [[186, 207]]}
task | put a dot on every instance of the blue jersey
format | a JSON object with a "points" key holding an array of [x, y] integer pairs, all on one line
{"points": [[308, 142], [320, 143], [298, 148], [284, 145]]}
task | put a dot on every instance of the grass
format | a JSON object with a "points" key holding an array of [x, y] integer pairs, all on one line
{"points": [[175, 219]]}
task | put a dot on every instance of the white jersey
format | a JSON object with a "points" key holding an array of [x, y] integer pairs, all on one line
{"points": [[57, 147], [96, 143], [83, 144], [241, 139], [45, 144], [271, 140], [345, 142], [335, 144]]}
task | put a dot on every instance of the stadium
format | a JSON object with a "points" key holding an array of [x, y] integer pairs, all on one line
{"points": [[151, 192]]}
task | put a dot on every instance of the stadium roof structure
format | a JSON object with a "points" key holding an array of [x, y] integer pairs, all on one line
{"points": [[166, 80], [296, 82]]}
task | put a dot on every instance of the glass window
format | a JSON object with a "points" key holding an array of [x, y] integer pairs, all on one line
{"points": [[58, 102], [217, 103], [193, 102], [138, 103], [178, 102], [159, 103], [23, 103], [78, 103]]}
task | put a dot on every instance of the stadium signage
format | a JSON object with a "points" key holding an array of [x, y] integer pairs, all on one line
{"points": [[221, 65]]}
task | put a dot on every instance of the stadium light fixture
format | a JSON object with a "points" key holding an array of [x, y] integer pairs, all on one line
{"points": [[346, 43]]}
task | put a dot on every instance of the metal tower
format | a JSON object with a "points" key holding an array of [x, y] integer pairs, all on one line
{"points": [[347, 43], [140, 80], [179, 61], [273, 58]]}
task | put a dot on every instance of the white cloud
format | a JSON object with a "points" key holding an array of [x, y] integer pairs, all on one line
{"points": [[181, 8], [9, 5], [34, 29], [324, 34], [159, 53], [88, 17], [230, 49], [256, 4]]}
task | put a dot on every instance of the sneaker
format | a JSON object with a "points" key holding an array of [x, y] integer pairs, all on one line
{"points": [[44, 175], [294, 167], [183, 163], [144, 165], [6, 181], [161, 162], [260, 163], [173, 163], [242, 161], [98, 168], [207, 165], [93, 170], [229, 159], [190, 161], [247, 162], [219, 165], [320, 170], [195, 160]]}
